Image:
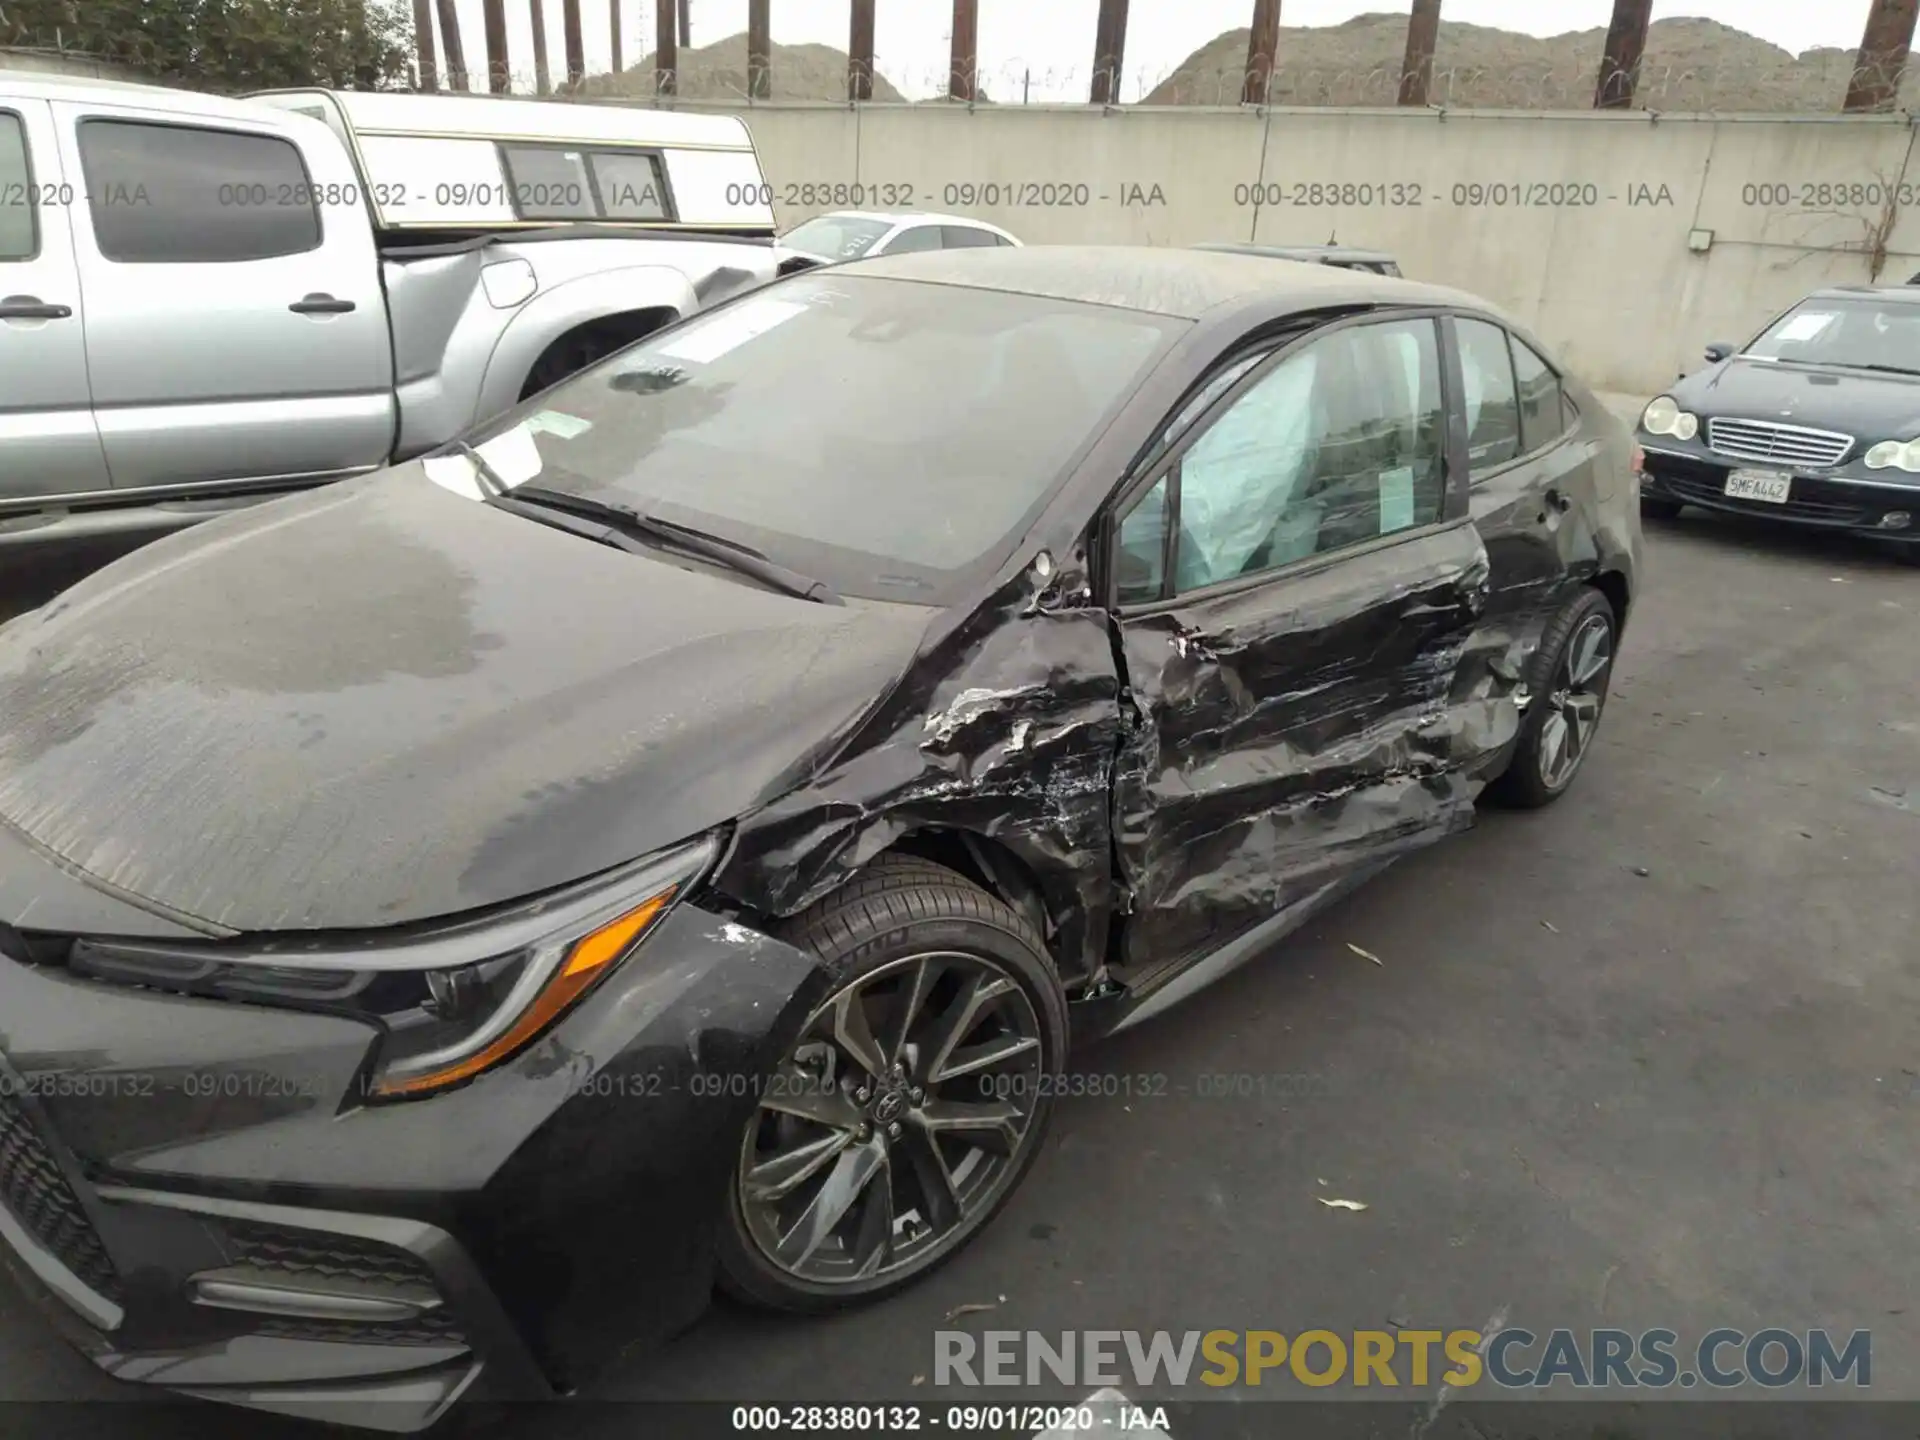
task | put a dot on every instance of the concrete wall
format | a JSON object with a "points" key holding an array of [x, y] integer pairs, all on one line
{"points": [[1578, 223]]}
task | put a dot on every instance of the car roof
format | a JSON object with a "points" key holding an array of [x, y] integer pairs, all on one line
{"points": [[499, 117], [34, 85], [1300, 252], [1901, 294], [1182, 283], [900, 217]]}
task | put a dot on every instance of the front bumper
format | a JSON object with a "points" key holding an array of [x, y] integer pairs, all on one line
{"points": [[199, 1205], [1823, 500]]}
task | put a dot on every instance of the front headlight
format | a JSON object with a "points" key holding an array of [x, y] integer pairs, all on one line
{"points": [[1663, 416], [1895, 455], [452, 1003]]}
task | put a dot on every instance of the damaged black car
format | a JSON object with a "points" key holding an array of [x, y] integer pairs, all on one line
{"points": [[454, 919]]}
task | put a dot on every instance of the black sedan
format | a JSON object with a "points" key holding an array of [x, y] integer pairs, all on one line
{"points": [[1815, 422], [456, 917]]}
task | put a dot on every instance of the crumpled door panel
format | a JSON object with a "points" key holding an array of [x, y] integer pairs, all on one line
{"points": [[1006, 728], [1290, 732]]}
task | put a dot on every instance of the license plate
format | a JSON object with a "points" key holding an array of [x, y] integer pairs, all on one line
{"points": [[1769, 485]]}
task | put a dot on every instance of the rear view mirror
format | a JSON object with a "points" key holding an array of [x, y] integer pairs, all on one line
{"points": [[1718, 351]]}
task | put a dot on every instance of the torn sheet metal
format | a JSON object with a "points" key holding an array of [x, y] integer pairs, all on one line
{"points": [[1005, 727], [1274, 752]]}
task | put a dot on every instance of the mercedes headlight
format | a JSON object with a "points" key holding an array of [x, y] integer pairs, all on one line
{"points": [[1895, 455], [452, 1003], [1665, 417]]}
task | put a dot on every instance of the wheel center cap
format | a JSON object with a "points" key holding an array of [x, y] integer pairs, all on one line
{"points": [[889, 1106]]}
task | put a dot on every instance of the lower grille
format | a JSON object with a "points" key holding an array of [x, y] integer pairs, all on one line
{"points": [[1818, 502], [33, 1188], [341, 1264], [434, 1329], [310, 1254]]}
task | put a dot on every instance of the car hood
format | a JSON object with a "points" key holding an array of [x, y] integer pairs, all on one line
{"points": [[382, 702], [1867, 404]]}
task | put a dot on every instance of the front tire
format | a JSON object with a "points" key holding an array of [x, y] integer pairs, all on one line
{"points": [[1568, 684], [913, 1102]]}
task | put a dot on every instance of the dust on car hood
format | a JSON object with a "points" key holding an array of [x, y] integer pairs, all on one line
{"points": [[380, 703]]}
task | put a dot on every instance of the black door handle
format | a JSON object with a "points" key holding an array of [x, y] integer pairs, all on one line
{"points": [[321, 305], [32, 307]]}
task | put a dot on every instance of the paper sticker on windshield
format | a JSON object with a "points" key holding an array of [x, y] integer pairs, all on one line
{"points": [[556, 422], [455, 473], [1396, 499], [707, 340], [513, 456], [1804, 327]]}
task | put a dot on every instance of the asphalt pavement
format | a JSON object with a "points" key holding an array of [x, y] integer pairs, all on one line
{"points": [[1644, 1059]]}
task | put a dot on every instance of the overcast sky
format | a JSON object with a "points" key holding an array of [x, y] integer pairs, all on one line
{"points": [[1053, 39]]}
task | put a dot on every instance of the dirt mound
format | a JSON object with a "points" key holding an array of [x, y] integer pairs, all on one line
{"points": [[719, 72], [1690, 65]]}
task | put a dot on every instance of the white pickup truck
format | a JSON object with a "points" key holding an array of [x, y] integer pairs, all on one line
{"points": [[207, 301]]}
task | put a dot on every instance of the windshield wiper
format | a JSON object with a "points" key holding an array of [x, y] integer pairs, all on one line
{"points": [[484, 471], [634, 531], [1887, 369]]}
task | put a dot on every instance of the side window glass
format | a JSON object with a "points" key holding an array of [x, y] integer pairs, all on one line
{"points": [[630, 185], [1541, 414], [1493, 409], [548, 184], [1341, 443], [921, 237], [1140, 567], [965, 237], [1221, 382], [176, 194], [18, 237]]}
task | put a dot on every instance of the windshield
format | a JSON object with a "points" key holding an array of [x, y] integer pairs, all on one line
{"points": [[887, 437], [1863, 332], [836, 237]]}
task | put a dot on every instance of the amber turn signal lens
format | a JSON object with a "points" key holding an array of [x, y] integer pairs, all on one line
{"points": [[587, 959]]}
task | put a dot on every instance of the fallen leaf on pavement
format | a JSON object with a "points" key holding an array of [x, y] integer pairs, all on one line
{"points": [[959, 1310], [1364, 955], [1330, 1204]]}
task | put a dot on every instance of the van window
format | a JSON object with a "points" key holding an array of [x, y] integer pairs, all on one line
{"points": [[630, 185], [18, 238], [163, 194], [549, 183]]}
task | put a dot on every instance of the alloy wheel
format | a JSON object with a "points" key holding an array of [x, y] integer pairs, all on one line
{"points": [[1573, 706], [896, 1121]]}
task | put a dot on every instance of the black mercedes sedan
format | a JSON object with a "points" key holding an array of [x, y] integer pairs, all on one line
{"points": [[1815, 422], [456, 918]]}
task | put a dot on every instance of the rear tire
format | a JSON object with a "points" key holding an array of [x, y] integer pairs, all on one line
{"points": [[915, 1147], [1568, 685]]}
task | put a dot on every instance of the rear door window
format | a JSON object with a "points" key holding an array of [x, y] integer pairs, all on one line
{"points": [[160, 194], [1542, 415], [1492, 404], [965, 237]]}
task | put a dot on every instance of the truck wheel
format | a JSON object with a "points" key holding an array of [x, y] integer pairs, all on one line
{"points": [[580, 347], [566, 356]]}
